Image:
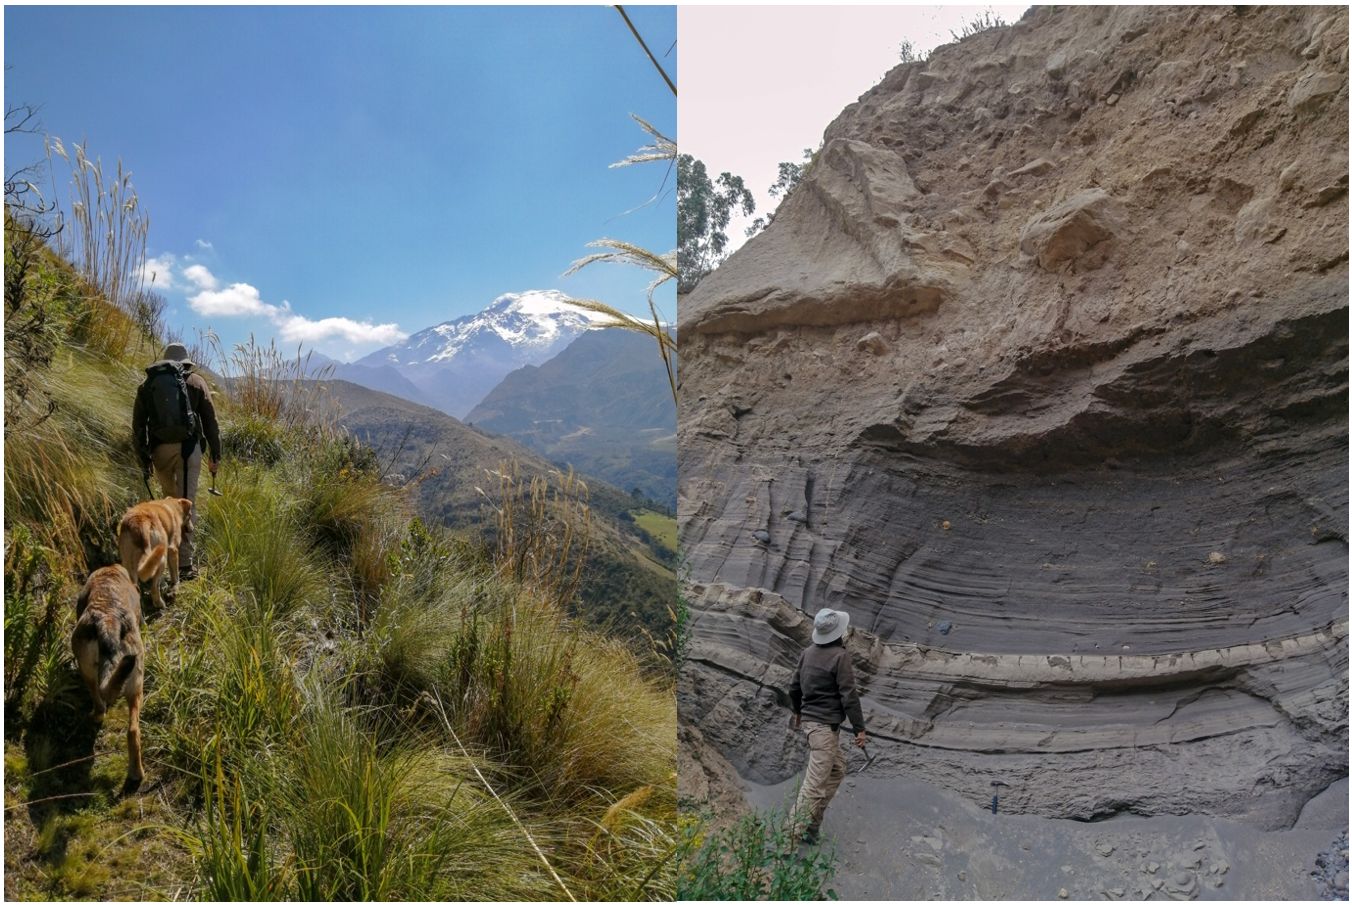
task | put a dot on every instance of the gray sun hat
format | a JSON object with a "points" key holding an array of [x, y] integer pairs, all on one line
{"points": [[177, 352], [828, 625]]}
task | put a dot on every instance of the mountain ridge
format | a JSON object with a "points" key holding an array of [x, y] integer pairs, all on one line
{"points": [[628, 583], [601, 405], [456, 363]]}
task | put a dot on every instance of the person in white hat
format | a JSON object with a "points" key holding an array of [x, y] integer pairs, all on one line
{"points": [[823, 696]]}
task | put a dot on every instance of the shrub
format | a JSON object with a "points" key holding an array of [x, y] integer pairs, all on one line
{"points": [[754, 858], [983, 22], [32, 327]]}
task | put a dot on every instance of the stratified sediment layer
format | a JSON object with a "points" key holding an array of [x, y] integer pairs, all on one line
{"points": [[1041, 374]]}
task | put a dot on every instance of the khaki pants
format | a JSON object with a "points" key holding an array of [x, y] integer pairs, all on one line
{"points": [[825, 770], [168, 461]]}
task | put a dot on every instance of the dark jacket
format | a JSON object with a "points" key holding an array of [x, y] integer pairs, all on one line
{"points": [[199, 395], [823, 687]]}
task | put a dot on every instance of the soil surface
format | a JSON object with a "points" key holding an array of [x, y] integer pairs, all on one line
{"points": [[904, 839]]}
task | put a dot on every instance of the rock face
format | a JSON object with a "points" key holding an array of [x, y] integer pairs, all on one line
{"points": [[1048, 349]]}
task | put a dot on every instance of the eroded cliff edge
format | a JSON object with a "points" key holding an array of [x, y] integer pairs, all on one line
{"points": [[1041, 374]]}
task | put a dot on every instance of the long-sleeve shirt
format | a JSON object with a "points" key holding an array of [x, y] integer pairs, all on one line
{"points": [[199, 395], [823, 687]]}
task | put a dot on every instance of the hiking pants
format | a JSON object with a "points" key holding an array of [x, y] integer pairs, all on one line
{"points": [[168, 461], [825, 770]]}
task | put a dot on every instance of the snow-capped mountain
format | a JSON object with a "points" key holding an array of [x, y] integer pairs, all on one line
{"points": [[455, 364]]}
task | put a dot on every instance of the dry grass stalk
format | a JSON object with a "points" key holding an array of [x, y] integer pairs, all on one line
{"points": [[543, 529], [266, 383], [617, 251], [441, 711], [105, 238]]}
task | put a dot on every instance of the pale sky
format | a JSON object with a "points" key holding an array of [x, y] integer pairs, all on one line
{"points": [[761, 83]]}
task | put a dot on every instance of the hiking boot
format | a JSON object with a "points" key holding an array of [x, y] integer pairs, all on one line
{"points": [[187, 574], [811, 836]]}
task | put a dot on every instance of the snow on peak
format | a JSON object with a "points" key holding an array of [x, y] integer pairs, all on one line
{"points": [[534, 303], [533, 324]]}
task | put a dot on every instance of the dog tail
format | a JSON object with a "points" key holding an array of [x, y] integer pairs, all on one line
{"points": [[116, 658], [112, 674], [151, 561]]}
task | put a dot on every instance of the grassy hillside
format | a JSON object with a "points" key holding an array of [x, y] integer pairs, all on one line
{"points": [[603, 405], [662, 528], [628, 583], [347, 704]]}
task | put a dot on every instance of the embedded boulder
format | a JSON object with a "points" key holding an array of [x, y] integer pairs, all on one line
{"points": [[1066, 233]]}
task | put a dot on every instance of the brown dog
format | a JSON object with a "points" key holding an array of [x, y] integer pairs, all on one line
{"points": [[107, 647], [148, 535]]}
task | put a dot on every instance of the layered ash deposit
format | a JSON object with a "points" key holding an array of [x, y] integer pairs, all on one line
{"points": [[1041, 374]]}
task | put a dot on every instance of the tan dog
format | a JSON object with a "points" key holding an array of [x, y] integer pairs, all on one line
{"points": [[107, 647], [148, 535]]}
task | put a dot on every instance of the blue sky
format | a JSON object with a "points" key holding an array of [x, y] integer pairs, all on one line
{"points": [[387, 166]]}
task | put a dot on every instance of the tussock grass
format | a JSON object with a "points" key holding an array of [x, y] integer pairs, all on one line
{"points": [[252, 438], [542, 527], [270, 386], [254, 540], [403, 824], [633, 855], [354, 518], [69, 475], [573, 710]]}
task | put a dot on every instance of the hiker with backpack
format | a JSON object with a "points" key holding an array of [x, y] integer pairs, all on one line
{"points": [[823, 695], [173, 421]]}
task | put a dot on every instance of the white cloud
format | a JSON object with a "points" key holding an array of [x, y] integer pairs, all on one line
{"points": [[158, 272], [243, 300], [205, 245], [296, 328], [236, 300], [201, 277]]}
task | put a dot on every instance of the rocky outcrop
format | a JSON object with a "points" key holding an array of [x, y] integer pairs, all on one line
{"points": [[1064, 235], [1041, 373]]}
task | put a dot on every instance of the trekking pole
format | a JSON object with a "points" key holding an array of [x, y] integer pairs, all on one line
{"points": [[212, 490]]}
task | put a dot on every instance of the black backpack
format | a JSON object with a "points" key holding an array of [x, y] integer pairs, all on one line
{"points": [[172, 419]]}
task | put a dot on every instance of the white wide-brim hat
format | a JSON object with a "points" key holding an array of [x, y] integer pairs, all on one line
{"points": [[828, 625]]}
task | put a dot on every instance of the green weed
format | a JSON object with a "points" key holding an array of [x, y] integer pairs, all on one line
{"points": [[754, 858]]}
